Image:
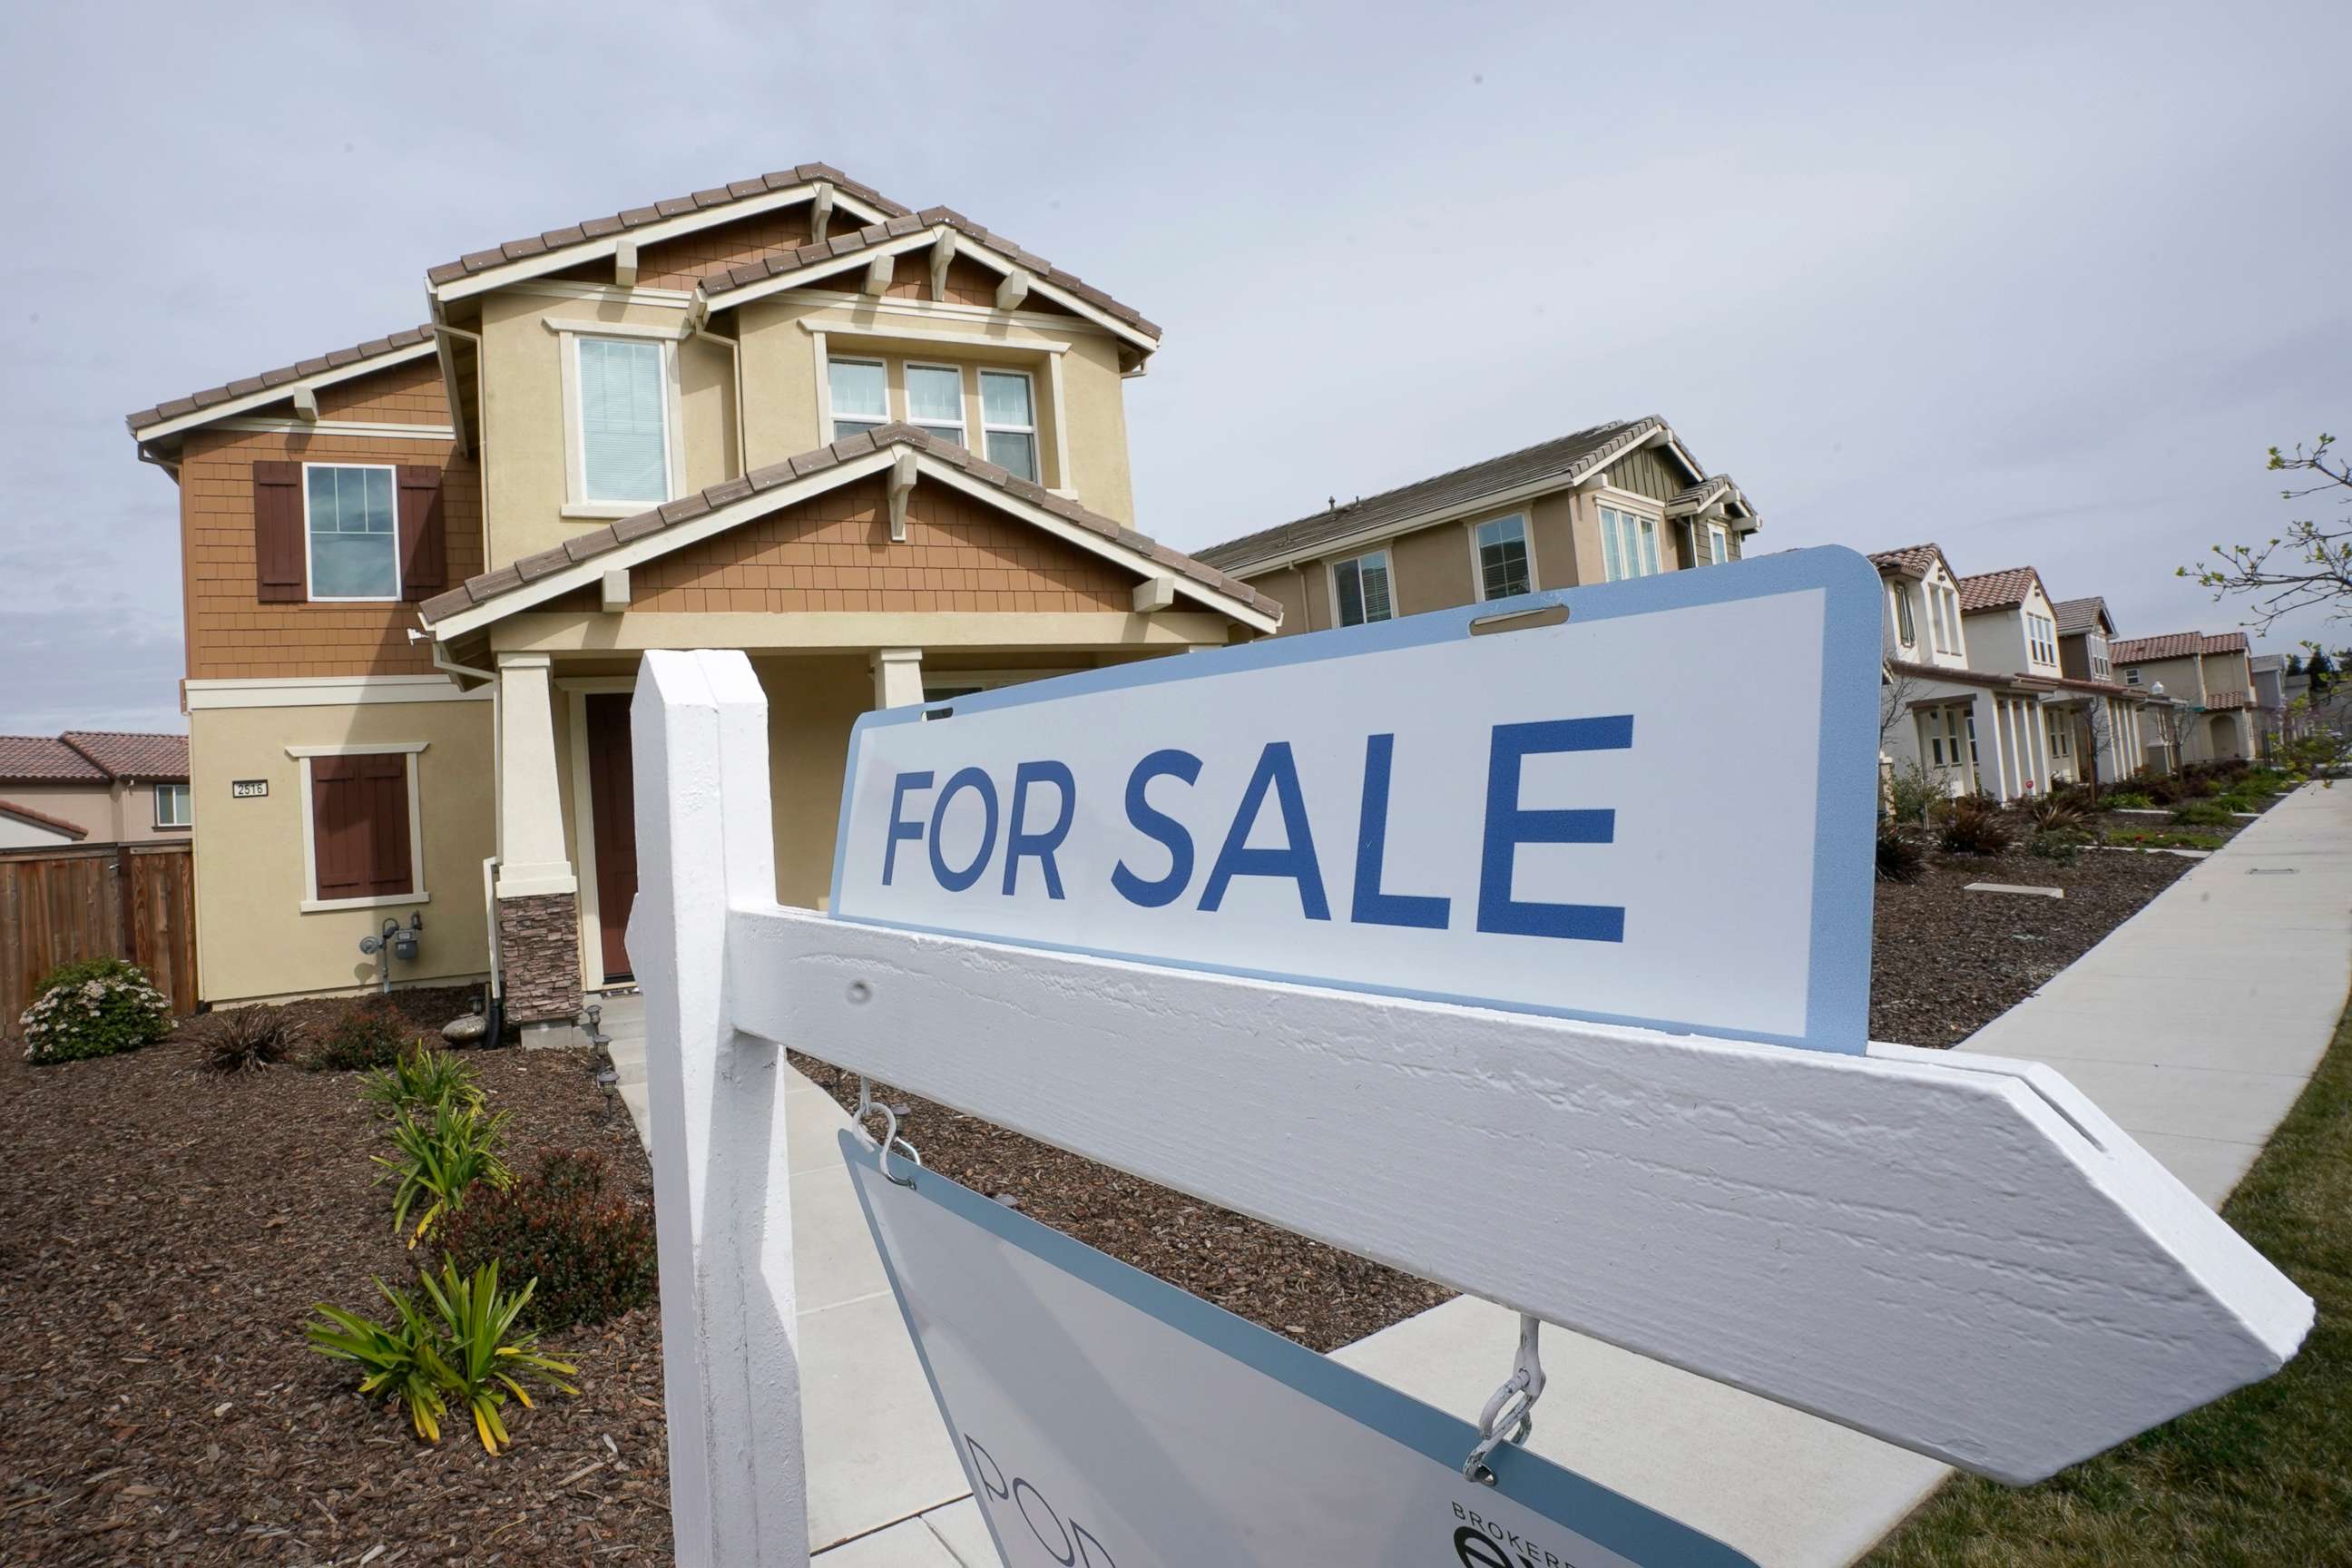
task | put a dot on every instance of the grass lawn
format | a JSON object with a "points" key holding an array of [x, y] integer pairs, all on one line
{"points": [[2262, 1477]]}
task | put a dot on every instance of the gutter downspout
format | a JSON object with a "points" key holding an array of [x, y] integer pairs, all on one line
{"points": [[451, 667], [697, 320]]}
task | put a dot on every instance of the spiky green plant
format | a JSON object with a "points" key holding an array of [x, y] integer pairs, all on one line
{"points": [[419, 1081], [441, 1155], [398, 1360]]}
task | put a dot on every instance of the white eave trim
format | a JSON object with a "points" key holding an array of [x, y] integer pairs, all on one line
{"points": [[344, 428], [285, 390], [554, 260], [591, 571], [325, 691]]}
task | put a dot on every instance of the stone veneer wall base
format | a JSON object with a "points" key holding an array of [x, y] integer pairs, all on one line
{"points": [[539, 948]]}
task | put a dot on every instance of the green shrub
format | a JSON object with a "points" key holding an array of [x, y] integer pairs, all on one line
{"points": [[420, 1080], [1976, 826], [2163, 839], [370, 1036], [586, 1247], [457, 1344], [2054, 815], [94, 1009], [249, 1040], [441, 1154], [2200, 814], [2061, 844], [1911, 793], [2128, 800]]}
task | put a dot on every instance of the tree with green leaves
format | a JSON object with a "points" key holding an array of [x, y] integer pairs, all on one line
{"points": [[2309, 565], [2321, 670]]}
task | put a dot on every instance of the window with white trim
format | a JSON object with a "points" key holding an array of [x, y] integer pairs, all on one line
{"points": [[2131, 676], [1944, 733], [2100, 668], [1503, 567], [860, 394], [352, 523], [2062, 735], [1906, 630], [622, 410], [1718, 544], [1359, 590], [172, 807], [1629, 544], [1008, 421], [935, 401], [2042, 639]]}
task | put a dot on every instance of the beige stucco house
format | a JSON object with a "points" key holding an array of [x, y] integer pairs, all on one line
{"points": [[1621, 500], [1976, 692], [2202, 686], [93, 788], [882, 451]]}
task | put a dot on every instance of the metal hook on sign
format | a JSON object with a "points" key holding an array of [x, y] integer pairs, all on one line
{"points": [[1510, 1415], [869, 1106]]}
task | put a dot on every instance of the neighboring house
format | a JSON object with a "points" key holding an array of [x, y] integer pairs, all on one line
{"points": [[1976, 692], [93, 786], [2269, 672], [1623, 500], [882, 452], [2201, 689]]}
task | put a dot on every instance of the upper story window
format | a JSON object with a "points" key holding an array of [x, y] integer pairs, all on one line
{"points": [[354, 531], [622, 441], [1359, 590], [1629, 544], [1008, 415], [172, 808], [1943, 616], [935, 401], [1906, 630], [2100, 668], [861, 399], [2042, 639], [2131, 676], [1504, 568], [1718, 544]]}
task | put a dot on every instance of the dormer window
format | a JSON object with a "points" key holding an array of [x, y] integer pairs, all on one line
{"points": [[1008, 418], [935, 401], [2041, 638], [1359, 590], [1500, 544], [1629, 544], [1718, 546], [861, 399], [1906, 630], [623, 408]]}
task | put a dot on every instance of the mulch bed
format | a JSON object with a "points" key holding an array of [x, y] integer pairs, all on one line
{"points": [[167, 1232], [170, 1230]]}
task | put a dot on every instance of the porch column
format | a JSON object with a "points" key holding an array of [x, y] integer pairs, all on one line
{"points": [[898, 676], [1984, 714], [538, 895], [2037, 730]]}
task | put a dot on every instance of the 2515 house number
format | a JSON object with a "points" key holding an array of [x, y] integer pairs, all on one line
{"points": [[248, 789]]}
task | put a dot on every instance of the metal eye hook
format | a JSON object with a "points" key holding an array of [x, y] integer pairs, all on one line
{"points": [[1509, 1415], [868, 1106]]}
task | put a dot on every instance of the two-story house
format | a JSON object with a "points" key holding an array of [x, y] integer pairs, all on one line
{"points": [[2202, 688], [883, 452], [92, 788], [1618, 500], [1976, 691], [2108, 717]]}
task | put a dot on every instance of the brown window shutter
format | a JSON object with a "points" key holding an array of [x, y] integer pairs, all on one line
{"points": [[423, 551], [277, 554], [359, 825]]}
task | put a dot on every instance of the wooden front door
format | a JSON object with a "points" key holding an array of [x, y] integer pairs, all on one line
{"points": [[612, 804]]}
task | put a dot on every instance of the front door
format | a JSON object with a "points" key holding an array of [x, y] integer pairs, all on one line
{"points": [[612, 805]]}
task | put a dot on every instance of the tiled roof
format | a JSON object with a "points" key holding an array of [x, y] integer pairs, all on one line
{"points": [[2227, 642], [1995, 590], [131, 755], [42, 819], [2224, 701], [2171, 645], [1912, 559], [491, 586], [1706, 493], [375, 348], [38, 759], [1958, 677], [1565, 457], [2079, 615], [2071, 683], [637, 217], [841, 246]]}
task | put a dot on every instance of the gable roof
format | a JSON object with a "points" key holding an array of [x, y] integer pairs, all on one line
{"points": [[1998, 590], [1912, 561], [376, 353], [1697, 498], [39, 759], [533, 578], [25, 814], [2175, 645], [2078, 616], [1565, 460], [134, 755]]}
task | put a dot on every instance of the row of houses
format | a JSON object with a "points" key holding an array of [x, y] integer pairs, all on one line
{"points": [[883, 451]]}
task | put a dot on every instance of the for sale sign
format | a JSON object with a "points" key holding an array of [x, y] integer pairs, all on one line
{"points": [[1650, 801]]}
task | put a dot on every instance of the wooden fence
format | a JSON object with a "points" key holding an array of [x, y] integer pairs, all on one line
{"points": [[133, 901]]}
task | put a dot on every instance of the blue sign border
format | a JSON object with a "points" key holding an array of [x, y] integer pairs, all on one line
{"points": [[1591, 1510], [1837, 991]]}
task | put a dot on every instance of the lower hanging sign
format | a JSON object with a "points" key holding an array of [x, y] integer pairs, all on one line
{"points": [[1106, 1419]]}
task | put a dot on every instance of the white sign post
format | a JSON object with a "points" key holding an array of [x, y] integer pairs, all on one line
{"points": [[1450, 1001]]}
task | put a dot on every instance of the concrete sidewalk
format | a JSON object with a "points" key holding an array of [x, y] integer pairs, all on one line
{"points": [[2194, 1025]]}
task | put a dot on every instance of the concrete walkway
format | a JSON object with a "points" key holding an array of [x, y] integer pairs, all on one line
{"points": [[2194, 1025]]}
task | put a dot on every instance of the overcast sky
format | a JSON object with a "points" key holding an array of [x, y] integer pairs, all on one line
{"points": [[2039, 284]]}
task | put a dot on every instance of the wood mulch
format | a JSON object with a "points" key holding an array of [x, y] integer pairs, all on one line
{"points": [[169, 1231]]}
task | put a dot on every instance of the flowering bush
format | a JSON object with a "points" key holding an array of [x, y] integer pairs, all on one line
{"points": [[564, 1225], [94, 1010]]}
